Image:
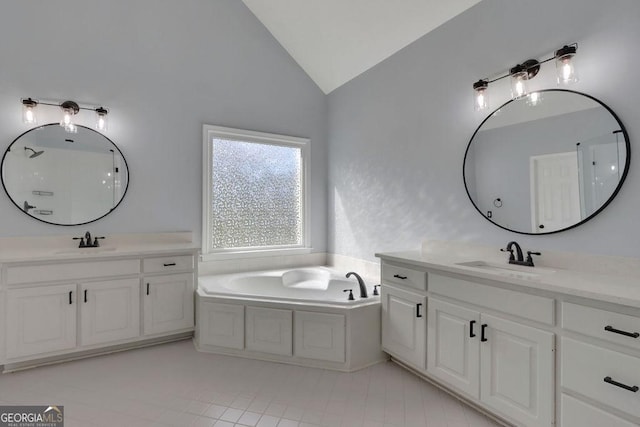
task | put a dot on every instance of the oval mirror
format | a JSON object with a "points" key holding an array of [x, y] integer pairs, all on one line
{"points": [[64, 178], [546, 162]]}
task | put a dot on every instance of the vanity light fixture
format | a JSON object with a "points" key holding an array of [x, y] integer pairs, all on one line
{"points": [[101, 119], [28, 111], [565, 66], [481, 95], [520, 74], [69, 109]]}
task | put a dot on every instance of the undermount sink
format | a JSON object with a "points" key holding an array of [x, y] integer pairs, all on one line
{"points": [[507, 270], [84, 251]]}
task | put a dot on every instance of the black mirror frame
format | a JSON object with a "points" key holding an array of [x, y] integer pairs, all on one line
{"points": [[54, 223], [600, 209]]}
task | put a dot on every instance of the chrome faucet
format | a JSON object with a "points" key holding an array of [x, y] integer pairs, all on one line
{"points": [[363, 287], [519, 260]]}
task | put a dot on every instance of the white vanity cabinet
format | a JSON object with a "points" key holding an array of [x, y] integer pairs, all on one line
{"points": [[56, 308], [40, 320], [109, 311], [168, 303], [534, 347], [600, 361], [508, 365], [404, 313], [453, 354], [404, 326]]}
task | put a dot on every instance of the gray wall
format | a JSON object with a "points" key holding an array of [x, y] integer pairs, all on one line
{"points": [[398, 132], [164, 68]]}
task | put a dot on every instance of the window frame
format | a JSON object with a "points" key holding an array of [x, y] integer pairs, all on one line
{"points": [[209, 132]]}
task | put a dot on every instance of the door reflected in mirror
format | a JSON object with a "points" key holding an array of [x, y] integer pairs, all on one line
{"points": [[63, 178], [546, 166]]}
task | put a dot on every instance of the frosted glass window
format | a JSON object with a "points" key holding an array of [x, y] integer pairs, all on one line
{"points": [[256, 195]]}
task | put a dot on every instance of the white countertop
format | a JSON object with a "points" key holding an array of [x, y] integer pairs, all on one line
{"points": [[616, 289], [89, 253], [53, 248]]}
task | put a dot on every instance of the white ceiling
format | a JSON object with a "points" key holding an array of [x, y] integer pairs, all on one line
{"points": [[336, 40]]}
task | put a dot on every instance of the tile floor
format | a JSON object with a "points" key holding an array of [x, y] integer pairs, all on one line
{"points": [[174, 385]]}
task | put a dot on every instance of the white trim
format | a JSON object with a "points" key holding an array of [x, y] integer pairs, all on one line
{"points": [[252, 253], [210, 131]]}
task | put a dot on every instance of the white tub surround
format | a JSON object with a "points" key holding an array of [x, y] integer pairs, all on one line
{"points": [[62, 302], [532, 346], [260, 263], [299, 316]]}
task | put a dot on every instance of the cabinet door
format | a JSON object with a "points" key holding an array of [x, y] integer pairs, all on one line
{"points": [[516, 371], [269, 330], [221, 325], [109, 311], [453, 354], [404, 331], [40, 320], [168, 303], [319, 336]]}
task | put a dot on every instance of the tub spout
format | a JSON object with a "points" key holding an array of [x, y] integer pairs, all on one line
{"points": [[363, 287]]}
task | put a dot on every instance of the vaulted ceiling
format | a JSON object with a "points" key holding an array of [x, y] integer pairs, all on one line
{"points": [[336, 40]]}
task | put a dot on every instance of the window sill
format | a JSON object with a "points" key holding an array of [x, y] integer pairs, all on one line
{"points": [[219, 256]]}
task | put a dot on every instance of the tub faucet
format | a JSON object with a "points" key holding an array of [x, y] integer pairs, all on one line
{"points": [[363, 287]]}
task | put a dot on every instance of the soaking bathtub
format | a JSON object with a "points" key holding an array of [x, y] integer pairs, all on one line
{"points": [[299, 316]]}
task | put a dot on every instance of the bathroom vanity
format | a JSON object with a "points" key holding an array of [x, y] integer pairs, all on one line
{"points": [[61, 302], [535, 346]]}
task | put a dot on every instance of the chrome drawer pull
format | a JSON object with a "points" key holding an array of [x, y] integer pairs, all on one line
{"points": [[624, 386], [169, 264], [397, 276], [618, 331]]}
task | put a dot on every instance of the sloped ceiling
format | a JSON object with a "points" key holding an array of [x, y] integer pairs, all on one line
{"points": [[336, 40]]}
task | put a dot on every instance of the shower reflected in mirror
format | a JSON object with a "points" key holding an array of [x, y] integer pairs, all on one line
{"points": [[34, 153]]}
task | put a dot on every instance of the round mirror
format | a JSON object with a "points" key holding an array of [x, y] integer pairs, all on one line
{"points": [[546, 162], [64, 178]]}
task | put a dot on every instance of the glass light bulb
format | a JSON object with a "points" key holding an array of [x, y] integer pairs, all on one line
{"points": [[519, 82], [480, 95], [101, 119], [534, 99], [481, 101], [71, 128], [29, 117], [29, 112], [66, 118], [566, 70]]}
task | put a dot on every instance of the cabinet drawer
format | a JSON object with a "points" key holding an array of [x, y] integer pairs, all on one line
{"points": [[168, 263], [71, 270], [603, 324], [404, 276], [540, 309], [585, 368], [576, 413]]}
